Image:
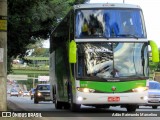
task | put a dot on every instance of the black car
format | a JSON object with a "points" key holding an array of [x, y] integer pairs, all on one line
{"points": [[42, 93]]}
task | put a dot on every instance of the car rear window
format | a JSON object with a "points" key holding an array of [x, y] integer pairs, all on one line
{"points": [[154, 85], [43, 87]]}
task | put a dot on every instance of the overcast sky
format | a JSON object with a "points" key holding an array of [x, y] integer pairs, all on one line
{"points": [[151, 12], [46, 43]]}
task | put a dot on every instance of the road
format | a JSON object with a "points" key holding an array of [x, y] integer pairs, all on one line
{"points": [[48, 111]]}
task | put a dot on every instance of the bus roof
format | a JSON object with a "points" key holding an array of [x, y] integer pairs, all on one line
{"points": [[105, 5]]}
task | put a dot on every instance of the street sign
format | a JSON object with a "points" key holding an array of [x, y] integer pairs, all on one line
{"points": [[17, 77], [43, 78], [3, 23]]}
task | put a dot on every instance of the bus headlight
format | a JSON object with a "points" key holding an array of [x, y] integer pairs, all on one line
{"points": [[140, 89], [86, 90]]}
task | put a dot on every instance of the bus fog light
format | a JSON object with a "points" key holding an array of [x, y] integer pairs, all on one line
{"points": [[79, 98], [145, 98]]}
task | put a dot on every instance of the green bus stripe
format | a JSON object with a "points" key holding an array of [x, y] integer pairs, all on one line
{"points": [[106, 87]]}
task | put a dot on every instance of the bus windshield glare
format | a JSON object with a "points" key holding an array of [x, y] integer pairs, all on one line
{"points": [[110, 23], [112, 60]]}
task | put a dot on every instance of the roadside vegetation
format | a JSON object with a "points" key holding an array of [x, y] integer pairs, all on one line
{"points": [[31, 21]]}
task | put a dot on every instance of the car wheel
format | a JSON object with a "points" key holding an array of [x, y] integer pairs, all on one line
{"points": [[35, 101], [154, 107], [58, 104]]}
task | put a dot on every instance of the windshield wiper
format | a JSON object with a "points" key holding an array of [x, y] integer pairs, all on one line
{"points": [[126, 35]]}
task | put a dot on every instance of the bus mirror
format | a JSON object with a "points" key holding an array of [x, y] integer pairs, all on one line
{"points": [[72, 52], [155, 51]]}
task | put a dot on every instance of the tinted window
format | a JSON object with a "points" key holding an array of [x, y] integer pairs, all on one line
{"points": [[43, 87], [13, 90], [110, 23]]}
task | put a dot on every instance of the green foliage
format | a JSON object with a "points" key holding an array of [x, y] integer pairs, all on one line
{"points": [[81, 1], [28, 83], [37, 44], [157, 67], [30, 19], [152, 66], [41, 52]]}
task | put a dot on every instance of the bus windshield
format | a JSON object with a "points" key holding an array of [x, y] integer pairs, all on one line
{"points": [[110, 23], [112, 60]]}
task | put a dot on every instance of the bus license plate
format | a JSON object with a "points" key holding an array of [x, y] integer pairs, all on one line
{"points": [[113, 99], [47, 98]]}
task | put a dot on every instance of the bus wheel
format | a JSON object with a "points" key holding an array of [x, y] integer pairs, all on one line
{"points": [[58, 105], [66, 105], [75, 107], [131, 108], [154, 107]]}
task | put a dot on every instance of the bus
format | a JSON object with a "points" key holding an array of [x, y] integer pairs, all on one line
{"points": [[99, 56]]}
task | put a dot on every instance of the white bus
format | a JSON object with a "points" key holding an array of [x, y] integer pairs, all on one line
{"points": [[99, 57]]}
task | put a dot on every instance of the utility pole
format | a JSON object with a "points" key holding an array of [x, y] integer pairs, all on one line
{"points": [[3, 55]]}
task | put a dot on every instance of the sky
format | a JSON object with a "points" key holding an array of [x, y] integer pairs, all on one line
{"points": [[150, 8], [46, 43]]}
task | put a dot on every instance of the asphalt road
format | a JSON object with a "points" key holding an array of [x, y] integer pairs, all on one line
{"points": [[48, 111]]}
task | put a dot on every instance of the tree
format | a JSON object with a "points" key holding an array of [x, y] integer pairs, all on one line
{"points": [[81, 1], [41, 52], [32, 19], [29, 19]]}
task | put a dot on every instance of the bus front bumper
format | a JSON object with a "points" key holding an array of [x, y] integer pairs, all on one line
{"points": [[116, 98]]}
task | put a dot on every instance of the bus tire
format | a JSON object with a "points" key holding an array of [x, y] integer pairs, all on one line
{"points": [[131, 108], [66, 105], [58, 105], [75, 107]]}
